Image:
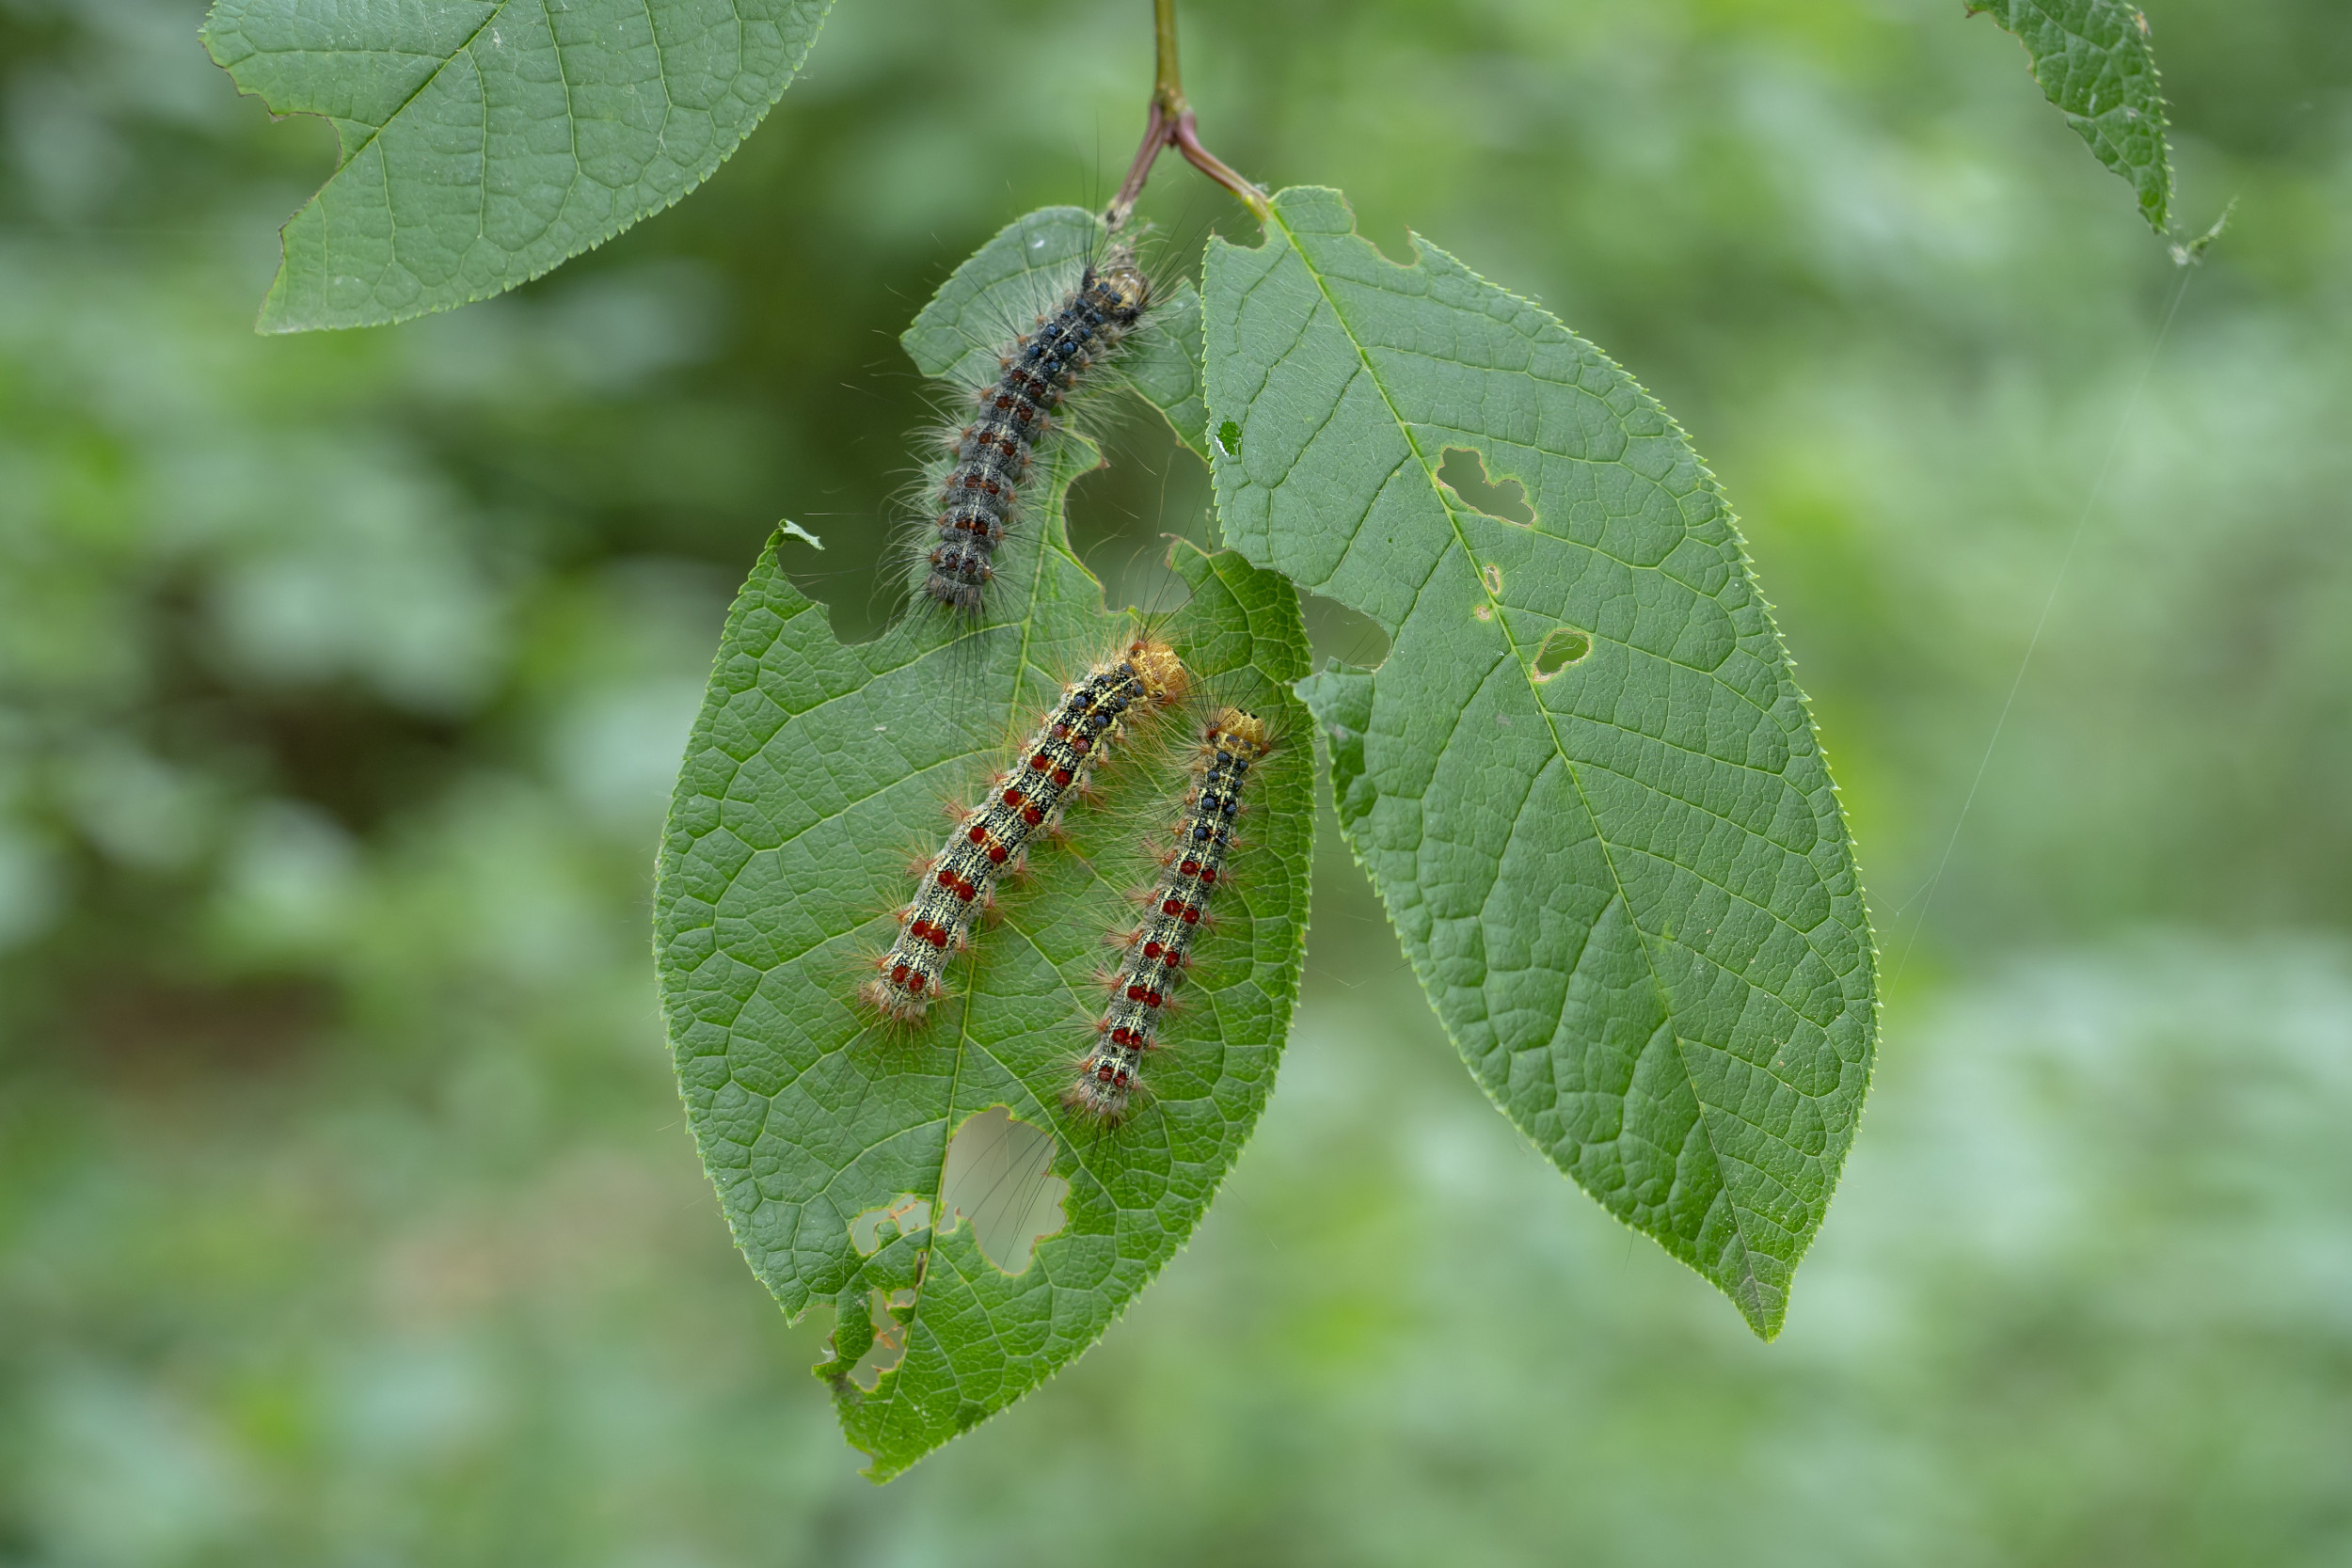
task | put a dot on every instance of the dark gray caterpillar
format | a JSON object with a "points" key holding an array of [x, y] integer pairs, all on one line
{"points": [[979, 495], [1109, 1075]]}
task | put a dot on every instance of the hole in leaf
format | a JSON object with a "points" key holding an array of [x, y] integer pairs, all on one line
{"points": [[1560, 648], [1464, 472], [1335, 631], [903, 1216], [890, 1338], [1228, 438], [1000, 1177]]}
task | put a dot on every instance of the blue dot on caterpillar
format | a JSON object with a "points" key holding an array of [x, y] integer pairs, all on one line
{"points": [[990, 455], [1026, 800], [1109, 1076]]}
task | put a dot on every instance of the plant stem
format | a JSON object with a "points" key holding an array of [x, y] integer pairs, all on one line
{"points": [[1168, 80], [1171, 124]]}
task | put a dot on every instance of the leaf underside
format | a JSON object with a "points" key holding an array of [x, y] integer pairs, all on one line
{"points": [[816, 771], [1626, 885], [486, 141], [2093, 60]]}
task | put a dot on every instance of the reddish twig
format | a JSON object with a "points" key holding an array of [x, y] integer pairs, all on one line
{"points": [[1171, 124]]}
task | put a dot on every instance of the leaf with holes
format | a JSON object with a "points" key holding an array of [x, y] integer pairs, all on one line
{"points": [[2095, 61], [970, 1234], [487, 141], [1583, 779]]}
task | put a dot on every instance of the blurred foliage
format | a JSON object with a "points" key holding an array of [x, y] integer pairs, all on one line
{"points": [[346, 1210]]}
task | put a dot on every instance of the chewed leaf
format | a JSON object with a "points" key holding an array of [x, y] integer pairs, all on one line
{"points": [[971, 1235], [2095, 61], [486, 141], [1584, 780]]}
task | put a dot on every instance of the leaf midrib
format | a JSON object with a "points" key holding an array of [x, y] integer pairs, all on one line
{"points": [[1747, 1277], [1053, 539], [430, 77]]}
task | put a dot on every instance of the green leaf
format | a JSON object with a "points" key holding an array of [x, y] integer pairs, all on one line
{"points": [[961, 333], [2093, 60], [1626, 884], [487, 141], [815, 772]]}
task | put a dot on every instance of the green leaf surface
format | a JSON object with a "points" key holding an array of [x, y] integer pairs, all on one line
{"points": [[487, 141], [997, 293], [2095, 61], [815, 773], [1626, 884]]}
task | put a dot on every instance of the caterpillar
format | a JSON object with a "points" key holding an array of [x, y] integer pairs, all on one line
{"points": [[993, 837], [990, 456], [1159, 950]]}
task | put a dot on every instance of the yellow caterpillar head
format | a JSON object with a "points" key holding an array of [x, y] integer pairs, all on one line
{"points": [[1127, 292], [1245, 729], [1156, 665]]}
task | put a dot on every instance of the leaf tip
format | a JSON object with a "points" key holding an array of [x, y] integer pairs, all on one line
{"points": [[1762, 1307]]}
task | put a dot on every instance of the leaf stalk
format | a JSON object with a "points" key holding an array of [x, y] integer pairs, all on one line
{"points": [[1170, 123]]}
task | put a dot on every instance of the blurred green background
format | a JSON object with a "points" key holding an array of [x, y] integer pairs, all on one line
{"points": [[347, 1214]]}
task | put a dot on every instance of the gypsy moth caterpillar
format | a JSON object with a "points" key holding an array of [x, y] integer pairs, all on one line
{"points": [[992, 838], [1157, 951], [989, 459]]}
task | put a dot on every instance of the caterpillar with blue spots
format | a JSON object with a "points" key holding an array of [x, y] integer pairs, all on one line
{"points": [[989, 458]]}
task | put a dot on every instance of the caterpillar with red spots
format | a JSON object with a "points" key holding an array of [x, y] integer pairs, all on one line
{"points": [[1109, 1075], [993, 837], [989, 458]]}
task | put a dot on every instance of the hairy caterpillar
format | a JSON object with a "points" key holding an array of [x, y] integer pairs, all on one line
{"points": [[990, 458], [1158, 950], [991, 838]]}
